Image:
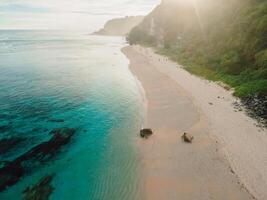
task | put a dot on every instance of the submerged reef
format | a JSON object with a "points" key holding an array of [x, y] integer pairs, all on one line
{"points": [[7, 144], [40, 191], [12, 171]]}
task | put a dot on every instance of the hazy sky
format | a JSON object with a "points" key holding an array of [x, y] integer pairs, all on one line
{"points": [[67, 14]]}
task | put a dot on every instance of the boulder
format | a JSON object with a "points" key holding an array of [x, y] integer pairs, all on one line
{"points": [[146, 133], [187, 138]]}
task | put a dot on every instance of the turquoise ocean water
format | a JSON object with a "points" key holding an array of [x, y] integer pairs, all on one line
{"points": [[55, 79]]}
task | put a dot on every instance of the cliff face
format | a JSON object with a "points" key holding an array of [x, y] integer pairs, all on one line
{"points": [[225, 38], [120, 26], [174, 19]]}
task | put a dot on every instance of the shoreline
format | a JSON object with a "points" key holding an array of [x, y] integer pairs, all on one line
{"points": [[220, 155], [144, 100]]}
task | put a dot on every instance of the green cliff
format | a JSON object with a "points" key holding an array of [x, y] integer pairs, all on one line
{"points": [[223, 40]]}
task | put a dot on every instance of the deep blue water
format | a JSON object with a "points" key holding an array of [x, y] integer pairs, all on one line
{"points": [[51, 80]]}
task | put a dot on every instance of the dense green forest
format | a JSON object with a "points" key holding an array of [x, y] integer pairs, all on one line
{"points": [[222, 40]]}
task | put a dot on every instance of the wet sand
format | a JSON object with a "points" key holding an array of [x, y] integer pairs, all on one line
{"points": [[227, 159]]}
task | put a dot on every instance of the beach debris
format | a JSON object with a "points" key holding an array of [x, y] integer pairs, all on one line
{"points": [[40, 191], [211, 103], [187, 138], [11, 173], [146, 133]]}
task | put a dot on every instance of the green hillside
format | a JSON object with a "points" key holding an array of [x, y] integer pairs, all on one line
{"points": [[222, 40]]}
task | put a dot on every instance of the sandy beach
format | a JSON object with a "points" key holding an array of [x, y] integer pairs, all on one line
{"points": [[228, 157]]}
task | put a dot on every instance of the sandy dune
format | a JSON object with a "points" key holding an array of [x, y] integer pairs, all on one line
{"points": [[228, 158]]}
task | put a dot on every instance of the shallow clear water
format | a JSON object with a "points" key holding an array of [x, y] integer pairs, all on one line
{"points": [[84, 80]]}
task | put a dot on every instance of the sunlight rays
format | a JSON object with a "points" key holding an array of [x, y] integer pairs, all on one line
{"points": [[195, 6]]}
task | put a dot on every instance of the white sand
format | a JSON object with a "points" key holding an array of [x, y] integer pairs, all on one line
{"points": [[225, 141]]}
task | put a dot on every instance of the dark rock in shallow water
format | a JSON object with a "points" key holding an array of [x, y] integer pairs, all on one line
{"points": [[3, 163], [37, 129], [10, 174], [3, 116], [187, 138], [14, 170], [40, 191], [145, 133], [7, 116], [56, 120], [7, 144], [36, 111], [60, 137], [5, 128]]}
